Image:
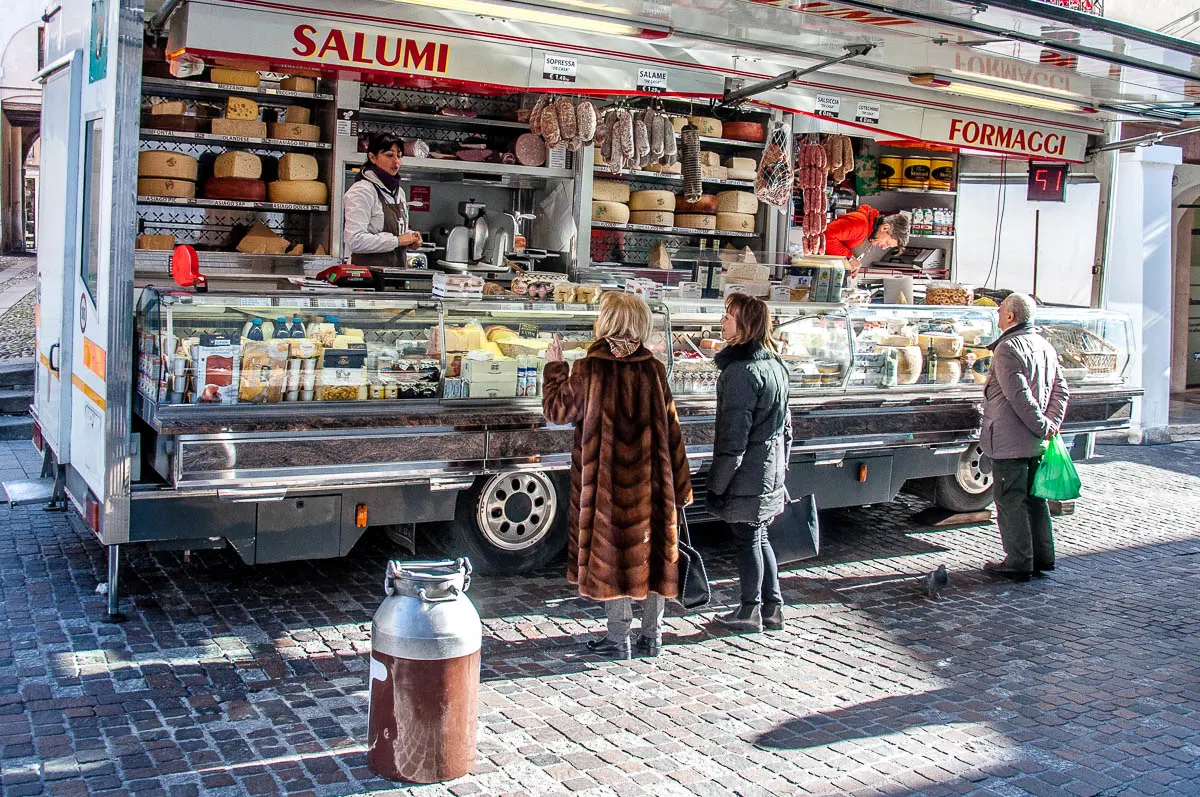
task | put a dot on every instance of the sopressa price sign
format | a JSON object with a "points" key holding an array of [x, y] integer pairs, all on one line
{"points": [[1047, 182]]}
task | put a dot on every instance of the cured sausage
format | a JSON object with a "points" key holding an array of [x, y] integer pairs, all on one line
{"points": [[550, 129], [568, 126], [585, 118], [623, 132], [535, 116], [689, 155], [658, 142]]}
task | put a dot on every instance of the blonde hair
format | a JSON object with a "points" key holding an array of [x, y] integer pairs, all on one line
{"points": [[623, 315]]}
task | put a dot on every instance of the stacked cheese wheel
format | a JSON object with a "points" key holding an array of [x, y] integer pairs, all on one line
{"points": [[241, 119], [237, 176], [736, 211], [610, 201], [652, 207], [298, 183], [169, 174], [698, 215]]}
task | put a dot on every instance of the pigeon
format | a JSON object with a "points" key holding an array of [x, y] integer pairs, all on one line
{"points": [[937, 581]]}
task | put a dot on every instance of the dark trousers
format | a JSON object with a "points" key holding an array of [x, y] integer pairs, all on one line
{"points": [[1024, 519], [758, 572]]}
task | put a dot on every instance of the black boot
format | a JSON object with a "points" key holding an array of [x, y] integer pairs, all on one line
{"points": [[772, 616], [603, 646], [746, 617]]}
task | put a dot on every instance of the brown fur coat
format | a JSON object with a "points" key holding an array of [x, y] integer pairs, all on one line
{"points": [[629, 472]]}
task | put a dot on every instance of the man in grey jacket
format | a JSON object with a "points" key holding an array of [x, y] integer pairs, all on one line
{"points": [[1024, 404]]}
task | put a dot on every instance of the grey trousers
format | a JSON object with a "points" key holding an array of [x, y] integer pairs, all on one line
{"points": [[1024, 519], [620, 617]]}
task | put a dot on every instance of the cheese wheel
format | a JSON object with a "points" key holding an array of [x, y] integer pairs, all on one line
{"points": [[909, 365], [295, 132], [745, 131], [674, 168], [297, 166], [293, 83], [714, 172], [706, 204], [234, 77], [652, 200], [242, 189], [895, 341], [737, 202], [156, 186], [741, 164], [175, 165], [176, 122], [299, 192], [173, 107], [678, 123], [943, 345], [239, 127], [158, 242], [744, 176], [947, 372], [654, 218], [236, 163], [241, 109], [735, 222], [612, 212], [297, 115], [709, 127], [610, 191], [710, 159], [696, 221]]}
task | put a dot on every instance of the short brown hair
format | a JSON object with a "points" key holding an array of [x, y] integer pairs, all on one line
{"points": [[623, 315], [753, 320]]}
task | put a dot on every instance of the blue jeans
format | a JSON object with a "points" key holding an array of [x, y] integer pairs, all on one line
{"points": [[758, 572]]}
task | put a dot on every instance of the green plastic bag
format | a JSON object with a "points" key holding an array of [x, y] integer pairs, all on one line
{"points": [[1056, 478]]}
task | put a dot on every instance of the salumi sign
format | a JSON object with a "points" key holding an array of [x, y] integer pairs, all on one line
{"points": [[363, 49]]}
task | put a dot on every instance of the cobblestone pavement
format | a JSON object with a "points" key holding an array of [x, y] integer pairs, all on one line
{"points": [[228, 679], [18, 282]]}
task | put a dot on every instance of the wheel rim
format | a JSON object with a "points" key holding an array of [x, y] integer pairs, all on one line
{"points": [[515, 510], [974, 474]]}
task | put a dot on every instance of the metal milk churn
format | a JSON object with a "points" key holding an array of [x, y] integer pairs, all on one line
{"points": [[425, 641]]}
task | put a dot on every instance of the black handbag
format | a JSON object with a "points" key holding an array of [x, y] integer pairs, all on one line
{"points": [[694, 591], [795, 533]]}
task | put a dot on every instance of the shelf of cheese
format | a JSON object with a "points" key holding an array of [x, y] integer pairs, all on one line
{"points": [[730, 142], [150, 134], [604, 225], [658, 177], [168, 87], [277, 207]]}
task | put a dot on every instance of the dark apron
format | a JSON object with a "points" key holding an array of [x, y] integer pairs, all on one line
{"points": [[395, 221]]}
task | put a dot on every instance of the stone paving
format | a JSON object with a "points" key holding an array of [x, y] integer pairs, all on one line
{"points": [[228, 679], [18, 285]]}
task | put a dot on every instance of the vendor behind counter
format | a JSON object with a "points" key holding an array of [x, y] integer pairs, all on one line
{"points": [[864, 236], [376, 229]]}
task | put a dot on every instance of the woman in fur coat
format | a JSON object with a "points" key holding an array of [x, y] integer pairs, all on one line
{"points": [[629, 473], [750, 456]]}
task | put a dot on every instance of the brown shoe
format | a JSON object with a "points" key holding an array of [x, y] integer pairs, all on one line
{"points": [[999, 569]]}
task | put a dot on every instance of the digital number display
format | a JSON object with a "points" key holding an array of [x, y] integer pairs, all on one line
{"points": [[1047, 182]]}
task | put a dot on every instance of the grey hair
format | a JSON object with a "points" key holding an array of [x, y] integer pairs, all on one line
{"points": [[899, 225], [1021, 306]]}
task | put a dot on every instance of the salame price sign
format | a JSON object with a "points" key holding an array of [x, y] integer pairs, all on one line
{"points": [[652, 81], [560, 68]]}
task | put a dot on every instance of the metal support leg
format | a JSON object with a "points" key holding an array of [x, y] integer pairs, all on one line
{"points": [[1089, 445], [114, 595], [58, 497]]}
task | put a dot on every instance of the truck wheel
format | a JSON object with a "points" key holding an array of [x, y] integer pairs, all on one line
{"points": [[969, 488], [508, 523]]}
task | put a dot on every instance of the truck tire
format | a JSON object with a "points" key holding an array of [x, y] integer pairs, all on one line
{"points": [[969, 488], [508, 523]]}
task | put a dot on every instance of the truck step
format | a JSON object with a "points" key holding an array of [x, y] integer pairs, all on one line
{"points": [[16, 427], [16, 373], [15, 401]]}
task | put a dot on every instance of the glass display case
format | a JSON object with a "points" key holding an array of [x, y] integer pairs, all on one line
{"points": [[1094, 346], [921, 346], [815, 344]]}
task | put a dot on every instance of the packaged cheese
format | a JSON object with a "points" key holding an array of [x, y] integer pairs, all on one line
{"points": [[612, 212], [297, 115], [305, 84], [239, 127], [156, 186], [655, 218], [610, 191], [737, 202], [263, 369], [175, 165], [172, 107], [298, 192], [234, 77], [241, 108], [297, 166], [294, 132], [652, 200], [216, 367], [735, 222], [158, 242], [696, 221], [262, 240], [236, 163]]}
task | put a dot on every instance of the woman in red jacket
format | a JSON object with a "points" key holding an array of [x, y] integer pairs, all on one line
{"points": [[864, 235]]}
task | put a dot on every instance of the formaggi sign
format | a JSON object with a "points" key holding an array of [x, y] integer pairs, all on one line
{"points": [[370, 50], [1006, 138]]}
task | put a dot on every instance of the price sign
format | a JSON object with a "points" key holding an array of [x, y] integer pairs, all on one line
{"points": [[419, 198], [828, 106], [347, 122], [560, 68], [652, 81], [867, 113], [528, 330], [1047, 182]]}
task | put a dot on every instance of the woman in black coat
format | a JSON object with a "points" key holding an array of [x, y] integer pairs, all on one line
{"points": [[750, 456]]}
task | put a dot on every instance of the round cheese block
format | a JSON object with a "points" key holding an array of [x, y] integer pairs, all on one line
{"points": [[652, 200], [706, 204], [294, 132], [243, 189], [696, 221], [735, 222], [655, 218], [236, 163], [610, 191], [158, 186], [678, 123], [899, 341], [174, 165], [947, 372], [944, 345], [298, 166], [674, 168], [908, 365], [741, 164], [612, 212], [738, 174], [709, 127], [298, 192], [745, 131], [737, 202]]}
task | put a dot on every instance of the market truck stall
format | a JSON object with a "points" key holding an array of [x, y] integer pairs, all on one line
{"points": [[285, 402]]}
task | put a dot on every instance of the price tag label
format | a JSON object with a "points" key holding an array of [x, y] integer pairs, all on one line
{"points": [[560, 68], [828, 106], [256, 301], [652, 81], [528, 330], [867, 113], [331, 302], [347, 122]]}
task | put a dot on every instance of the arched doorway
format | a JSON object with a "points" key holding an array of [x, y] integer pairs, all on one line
{"points": [[30, 198]]}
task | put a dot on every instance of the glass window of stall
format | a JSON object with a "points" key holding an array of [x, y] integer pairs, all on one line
{"points": [[1094, 346], [261, 350], [496, 347], [921, 346]]}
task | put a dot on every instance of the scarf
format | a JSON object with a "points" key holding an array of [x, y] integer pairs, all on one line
{"points": [[622, 347], [390, 182]]}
